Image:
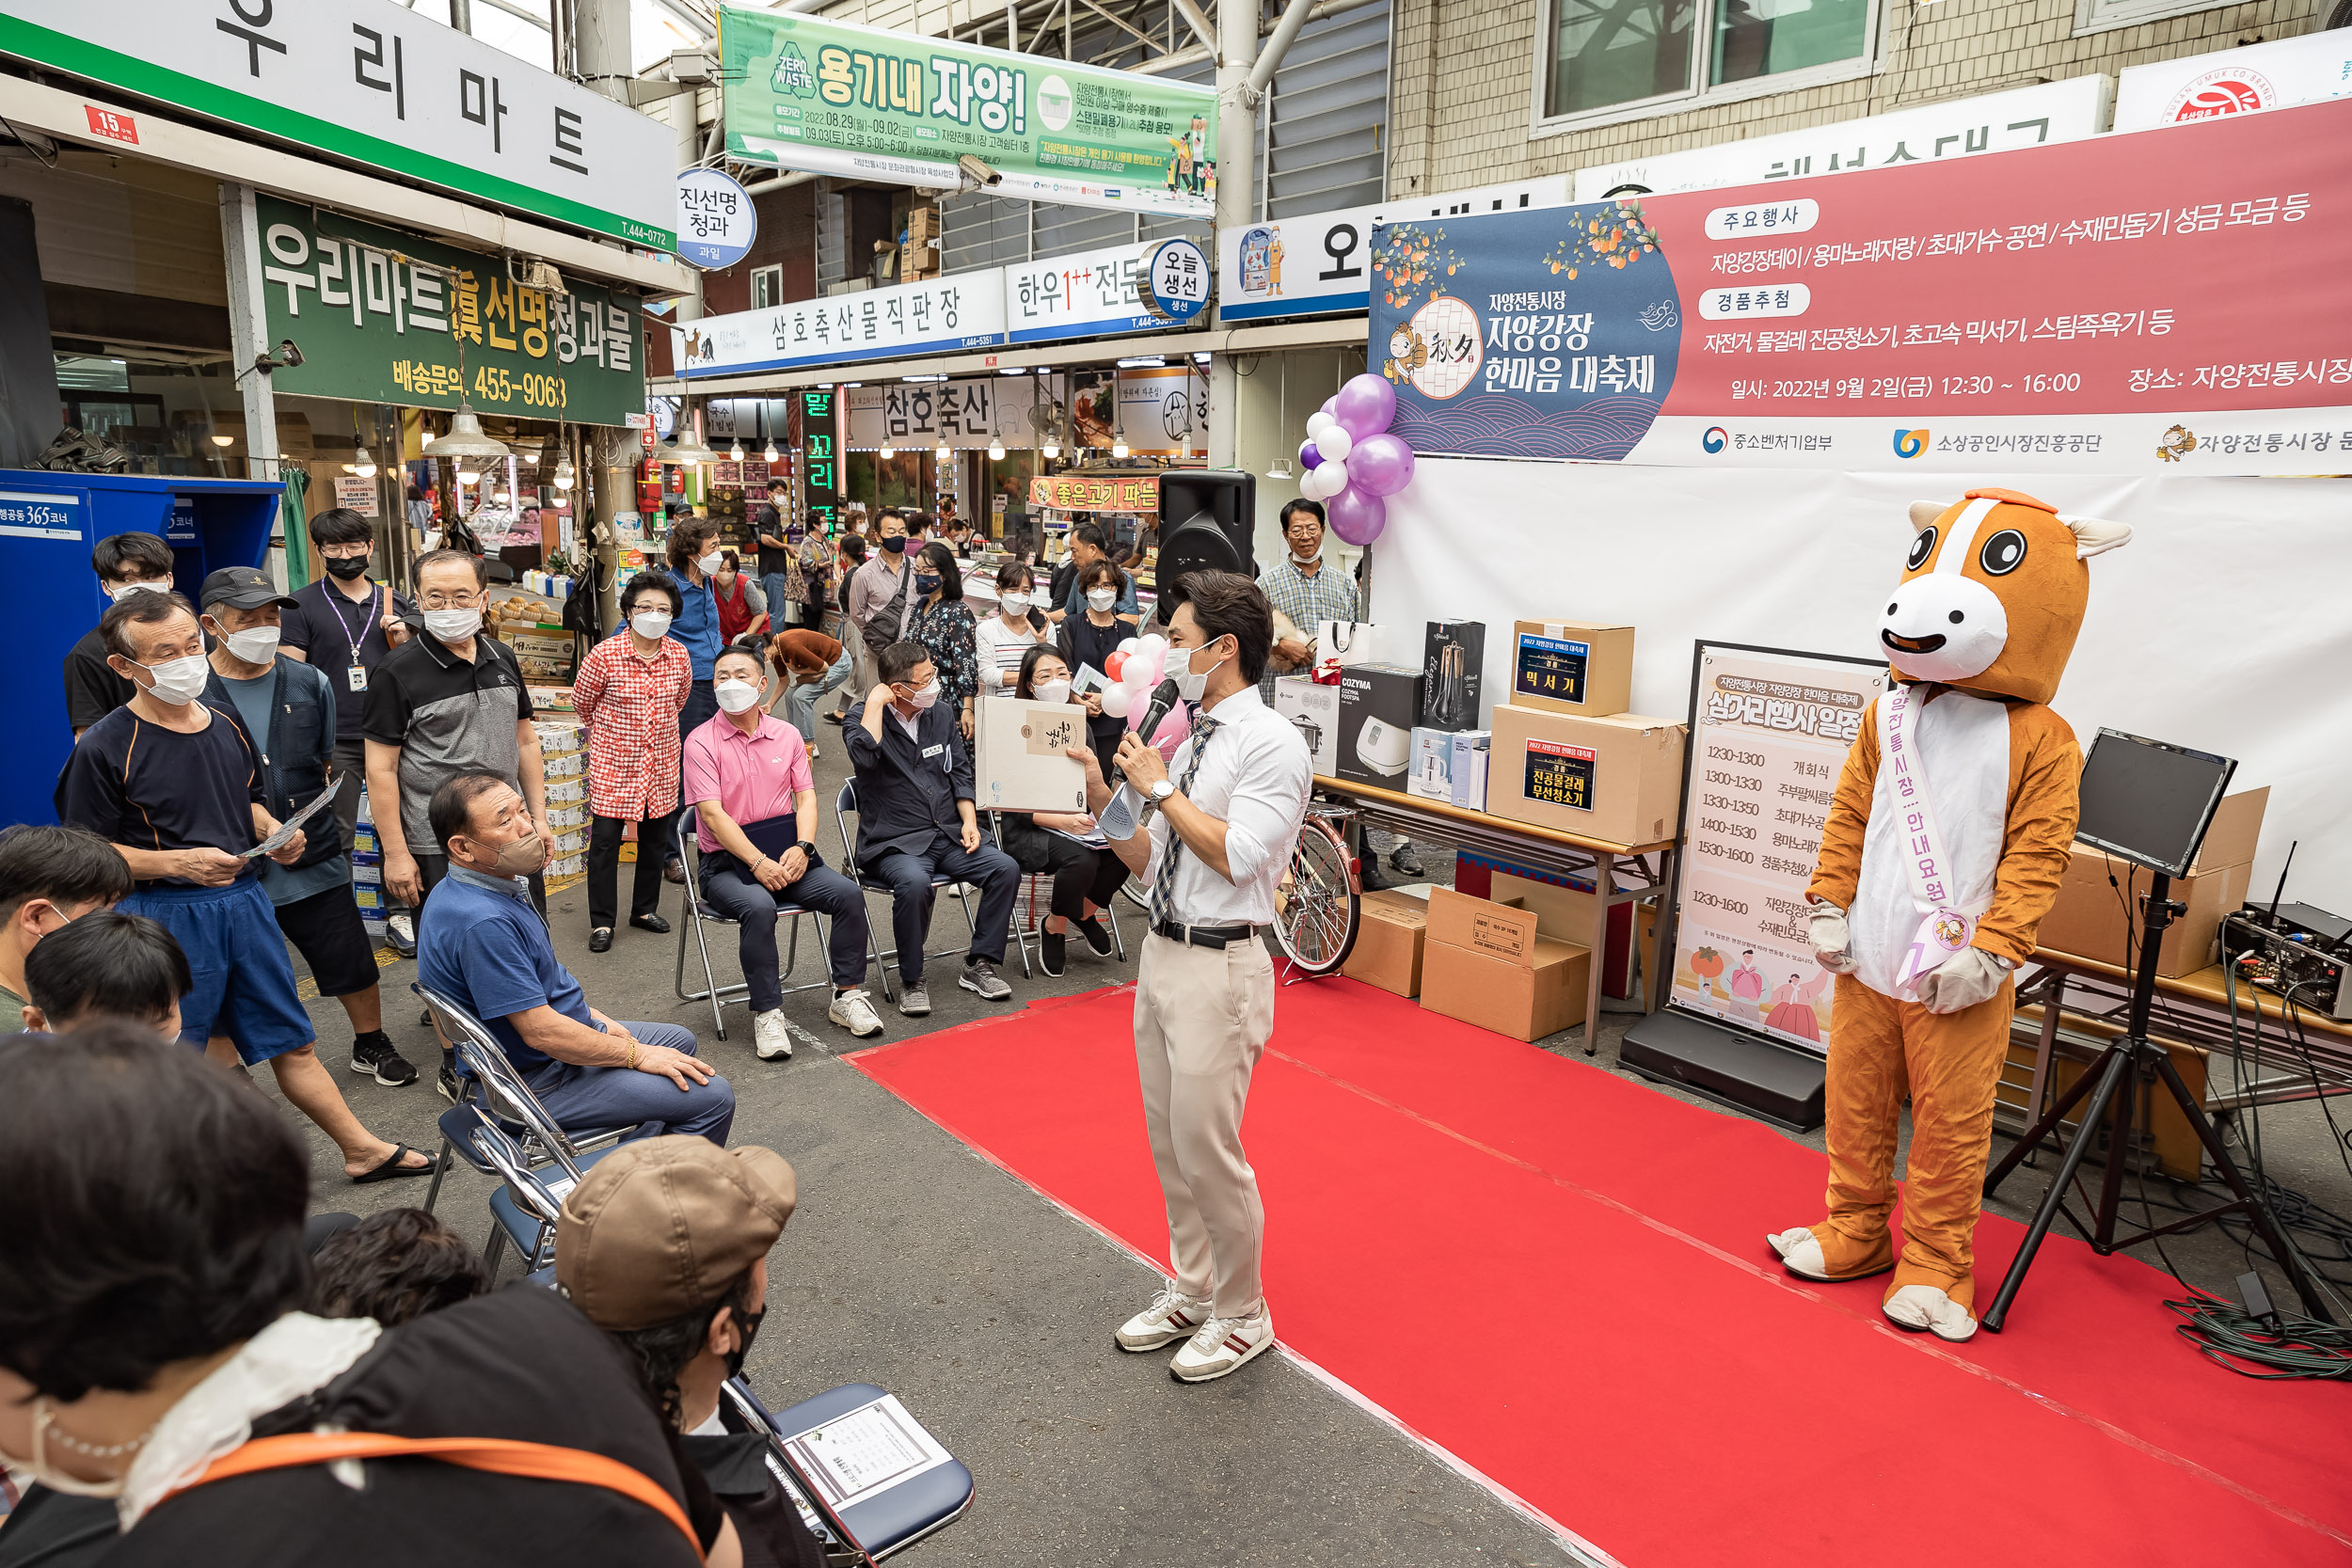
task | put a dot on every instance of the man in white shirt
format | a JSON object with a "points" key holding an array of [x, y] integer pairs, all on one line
{"points": [[1221, 832]]}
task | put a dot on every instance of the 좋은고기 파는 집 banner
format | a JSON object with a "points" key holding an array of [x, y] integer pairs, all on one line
{"points": [[807, 92], [2160, 302]]}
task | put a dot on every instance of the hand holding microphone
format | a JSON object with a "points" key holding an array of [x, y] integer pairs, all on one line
{"points": [[1163, 702]]}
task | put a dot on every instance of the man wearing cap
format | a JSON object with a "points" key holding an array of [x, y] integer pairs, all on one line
{"points": [[177, 785], [290, 712], [664, 1246]]}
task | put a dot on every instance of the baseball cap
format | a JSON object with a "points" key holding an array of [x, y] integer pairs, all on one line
{"points": [[663, 1225], [243, 587]]}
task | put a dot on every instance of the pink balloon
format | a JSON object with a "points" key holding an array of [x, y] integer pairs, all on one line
{"points": [[1365, 406], [1331, 405], [1358, 518], [1172, 732], [1307, 456], [1381, 465]]}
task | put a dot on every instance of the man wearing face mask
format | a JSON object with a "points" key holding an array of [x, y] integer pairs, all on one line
{"points": [[916, 821], [1225, 818], [480, 944], [290, 715], [179, 787], [1302, 588], [881, 595], [125, 563]]}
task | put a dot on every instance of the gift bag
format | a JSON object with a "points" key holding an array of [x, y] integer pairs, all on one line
{"points": [[1346, 644]]}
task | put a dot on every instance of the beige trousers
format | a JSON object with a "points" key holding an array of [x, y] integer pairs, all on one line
{"points": [[1202, 1017]]}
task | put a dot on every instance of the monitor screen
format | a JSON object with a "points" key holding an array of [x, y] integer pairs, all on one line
{"points": [[2149, 803]]}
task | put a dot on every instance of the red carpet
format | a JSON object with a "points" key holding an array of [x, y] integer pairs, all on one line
{"points": [[1590, 1320]]}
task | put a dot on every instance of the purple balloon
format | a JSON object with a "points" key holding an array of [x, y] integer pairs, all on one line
{"points": [[1331, 406], [1307, 457], [1381, 465], [1365, 406], [1356, 516]]}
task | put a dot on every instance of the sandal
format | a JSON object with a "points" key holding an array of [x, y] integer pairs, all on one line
{"points": [[392, 1170]]}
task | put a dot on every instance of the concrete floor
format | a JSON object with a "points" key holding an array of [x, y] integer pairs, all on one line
{"points": [[916, 1265]]}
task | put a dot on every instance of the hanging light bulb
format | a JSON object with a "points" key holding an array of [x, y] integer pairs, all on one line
{"points": [[996, 449], [465, 437], [365, 468], [1119, 444], [223, 440], [945, 452], [467, 477], [770, 455], [735, 452], [528, 454], [564, 478], [1051, 449], [888, 452]]}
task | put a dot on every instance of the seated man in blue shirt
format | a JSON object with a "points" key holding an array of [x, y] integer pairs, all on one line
{"points": [[481, 943]]}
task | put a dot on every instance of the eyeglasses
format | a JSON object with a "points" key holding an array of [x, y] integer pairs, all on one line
{"points": [[345, 553], [448, 601]]}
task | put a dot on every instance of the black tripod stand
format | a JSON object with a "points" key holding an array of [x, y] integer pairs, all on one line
{"points": [[2132, 1056]]}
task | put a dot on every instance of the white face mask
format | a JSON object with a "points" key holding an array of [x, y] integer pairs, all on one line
{"points": [[925, 697], [453, 625], [180, 680], [649, 624], [125, 590], [710, 563], [254, 645], [1190, 683], [1053, 691], [735, 696], [1100, 599], [1015, 605]]}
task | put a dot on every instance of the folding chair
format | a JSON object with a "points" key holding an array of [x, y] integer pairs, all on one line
{"points": [[699, 911], [844, 806], [1035, 903], [514, 1110], [526, 1204], [861, 1528]]}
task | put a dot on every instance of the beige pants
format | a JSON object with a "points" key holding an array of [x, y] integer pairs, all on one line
{"points": [[1202, 1016]]}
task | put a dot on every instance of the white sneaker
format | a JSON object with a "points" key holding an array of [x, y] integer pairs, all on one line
{"points": [[813, 752], [1171, 1315], [1222, 1346], [770, 1040], [855, 1013]]}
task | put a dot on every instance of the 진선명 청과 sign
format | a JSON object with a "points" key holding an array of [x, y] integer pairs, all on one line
{"points": [[385, 317]]}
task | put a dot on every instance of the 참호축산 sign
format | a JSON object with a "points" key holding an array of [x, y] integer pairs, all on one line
{"points": [[2073, 308], [807, 92], [385, 317], [1769, 734], [381, 84], [716, 221]]}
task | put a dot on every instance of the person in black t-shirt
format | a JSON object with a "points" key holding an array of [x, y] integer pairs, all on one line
{"points": [[125, 563], [158, 1297], [775, 558]]}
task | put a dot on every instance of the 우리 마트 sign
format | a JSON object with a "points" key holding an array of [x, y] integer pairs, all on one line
{"points": [[385, 317]]}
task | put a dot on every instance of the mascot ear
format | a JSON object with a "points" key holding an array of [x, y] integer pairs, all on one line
{"points": [[1924, 512], [2093, 534]]}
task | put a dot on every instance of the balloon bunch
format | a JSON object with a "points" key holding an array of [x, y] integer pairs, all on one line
{"points": [[1352, 462], [1135, 670]]}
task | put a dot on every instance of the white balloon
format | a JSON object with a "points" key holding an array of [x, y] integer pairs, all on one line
{"points": [[1128, 645], [1316, 424], [1136, 674], [1151, 642], [1334, 472], [1335, 443], [1115, 700]]}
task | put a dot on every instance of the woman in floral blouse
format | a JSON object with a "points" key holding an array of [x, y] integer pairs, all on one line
{"points": [[943, 623], [629, 692]]}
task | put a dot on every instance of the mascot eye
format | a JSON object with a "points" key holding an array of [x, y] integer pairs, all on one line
{"points": [[2003, 553], [1922, 547]]}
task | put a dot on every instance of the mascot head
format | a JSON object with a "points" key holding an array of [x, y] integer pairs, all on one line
{"points": [[1993, 593]]}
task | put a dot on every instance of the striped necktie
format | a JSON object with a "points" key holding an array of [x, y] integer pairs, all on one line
{"points": [[1164, 887]]}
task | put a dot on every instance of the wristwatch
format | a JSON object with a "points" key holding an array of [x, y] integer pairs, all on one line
{"points": [[807, 848], [1161, 790]]}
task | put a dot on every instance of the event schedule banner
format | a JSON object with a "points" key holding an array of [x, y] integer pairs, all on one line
{"points": [[1768, 733], [2160, 302], [807, 92], [385, 317]]}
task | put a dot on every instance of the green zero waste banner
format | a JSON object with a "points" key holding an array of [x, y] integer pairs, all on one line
{"points": [[807, 92]]}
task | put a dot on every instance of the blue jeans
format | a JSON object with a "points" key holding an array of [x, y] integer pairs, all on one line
{"points": [[729, 888], [800, 702], [988, 868], [772, 585], [581, 1098]]}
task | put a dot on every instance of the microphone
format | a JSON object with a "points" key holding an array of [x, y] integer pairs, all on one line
{"points": [[1163, 702]]}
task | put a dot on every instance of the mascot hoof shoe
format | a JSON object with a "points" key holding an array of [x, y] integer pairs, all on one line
{"points": [[1923, 1308], [1800, 1254]]}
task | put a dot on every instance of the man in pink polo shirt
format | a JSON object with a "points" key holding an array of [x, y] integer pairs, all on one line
{"points": [[755, 800]]}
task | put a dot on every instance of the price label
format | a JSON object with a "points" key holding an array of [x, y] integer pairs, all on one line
{"points": [[1553, 667], [1560, 775]]}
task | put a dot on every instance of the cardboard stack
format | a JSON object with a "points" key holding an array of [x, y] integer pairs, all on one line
{"points": [[563, 757], [1565, 755], [1389, 939], [2097, 914], [1493, 963]]}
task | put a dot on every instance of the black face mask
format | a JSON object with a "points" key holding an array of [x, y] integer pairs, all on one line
{"points": [[896, 544], [347, 567], [747, 1329]]}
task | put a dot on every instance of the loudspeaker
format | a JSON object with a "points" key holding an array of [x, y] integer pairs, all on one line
{"points": [[1776, 1082], [1208, 517]]}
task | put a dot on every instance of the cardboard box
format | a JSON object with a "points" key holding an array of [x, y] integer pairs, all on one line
{"points": [[1295, 697], [1453, 654], [1432, 764], [1389, 941], [1580, 667], [2237, 822], [1469, 769], [1618, 778], [1378, 705], [2100, 922], [1490, 963], [1020, 755]]}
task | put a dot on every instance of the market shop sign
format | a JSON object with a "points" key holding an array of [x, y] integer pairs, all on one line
{"points": [[385, 317], [935, 316], [1095, 493], [376, 84], [1085, 294], [807, 92]]}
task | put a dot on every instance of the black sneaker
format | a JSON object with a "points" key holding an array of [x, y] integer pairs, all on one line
{"points": [[453, 1086], [835, 717], [1403, 858], [375, 1056], [1052, 947], [1097, 938]]}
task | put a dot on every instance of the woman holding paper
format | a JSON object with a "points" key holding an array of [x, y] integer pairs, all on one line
{"points": [[1087, 642], [1063, 843]]}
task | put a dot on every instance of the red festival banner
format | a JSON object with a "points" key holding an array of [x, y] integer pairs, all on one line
{"points": [[2170, 301]]}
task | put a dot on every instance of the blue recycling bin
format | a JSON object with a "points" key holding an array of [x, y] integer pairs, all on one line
{"points": [[48, 523]]}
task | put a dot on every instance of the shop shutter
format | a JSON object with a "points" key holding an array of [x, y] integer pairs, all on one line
{"points": [[1327, 116]]}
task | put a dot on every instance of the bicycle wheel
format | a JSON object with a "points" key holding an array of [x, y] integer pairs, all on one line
{"points": [[1315, 908]]}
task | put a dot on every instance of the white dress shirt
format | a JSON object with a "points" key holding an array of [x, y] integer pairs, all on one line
{"points": [[1254, 777]]}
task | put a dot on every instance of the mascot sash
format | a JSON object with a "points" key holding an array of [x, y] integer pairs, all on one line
{"points": [[1945, 927]]}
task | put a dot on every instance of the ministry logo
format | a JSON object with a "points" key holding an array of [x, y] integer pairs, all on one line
{"points": [[1716, 439], [1910, 443]]}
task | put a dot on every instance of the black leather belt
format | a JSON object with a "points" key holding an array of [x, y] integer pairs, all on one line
{"points": [[1205, 936]]}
